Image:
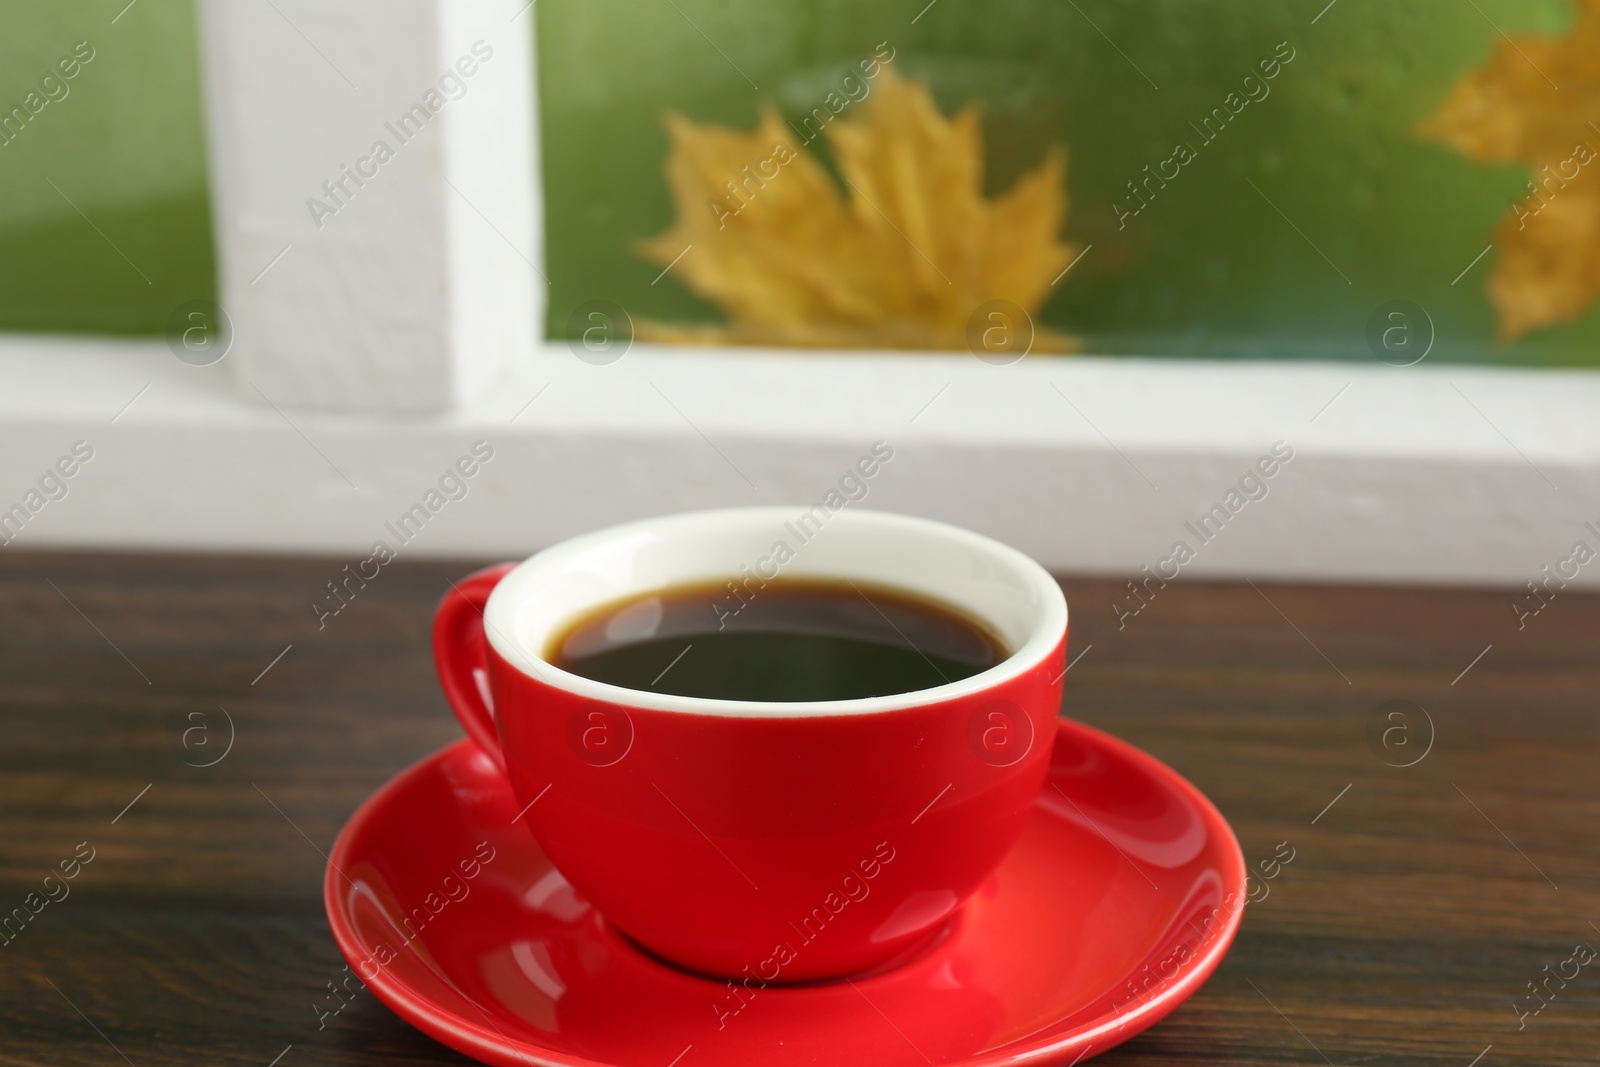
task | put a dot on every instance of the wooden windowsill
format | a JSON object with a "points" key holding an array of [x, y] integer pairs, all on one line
{"points": [[1405, 925]]}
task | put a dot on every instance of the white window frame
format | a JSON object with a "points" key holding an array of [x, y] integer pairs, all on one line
{"points": [[372, 352]]}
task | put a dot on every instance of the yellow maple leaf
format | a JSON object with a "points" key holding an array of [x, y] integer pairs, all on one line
{"points": [[1531, 103], [900, 257]]}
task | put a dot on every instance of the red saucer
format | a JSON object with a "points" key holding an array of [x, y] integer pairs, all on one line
{"points": [[1120, 900]]}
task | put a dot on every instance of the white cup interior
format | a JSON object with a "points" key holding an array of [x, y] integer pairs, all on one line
{"points": [[1010, 594]]}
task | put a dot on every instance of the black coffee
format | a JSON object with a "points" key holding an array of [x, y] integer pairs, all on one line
{"points": [[785, 640]]}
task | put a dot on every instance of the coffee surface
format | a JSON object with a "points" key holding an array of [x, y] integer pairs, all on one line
{"points": [[782, 640]]}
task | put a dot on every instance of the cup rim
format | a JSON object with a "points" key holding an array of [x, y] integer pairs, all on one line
{"points": [[1048, 627]]}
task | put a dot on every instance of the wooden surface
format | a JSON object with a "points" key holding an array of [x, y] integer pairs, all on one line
{"points": [[1414, 913]]}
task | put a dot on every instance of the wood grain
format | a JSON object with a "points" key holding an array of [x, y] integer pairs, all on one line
{"points": [[1416, 909]]}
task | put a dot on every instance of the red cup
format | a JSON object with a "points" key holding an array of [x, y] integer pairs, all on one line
{"points": [[765, 841]]}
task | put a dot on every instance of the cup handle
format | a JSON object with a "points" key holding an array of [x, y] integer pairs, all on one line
{"points": [[460, 652]]}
